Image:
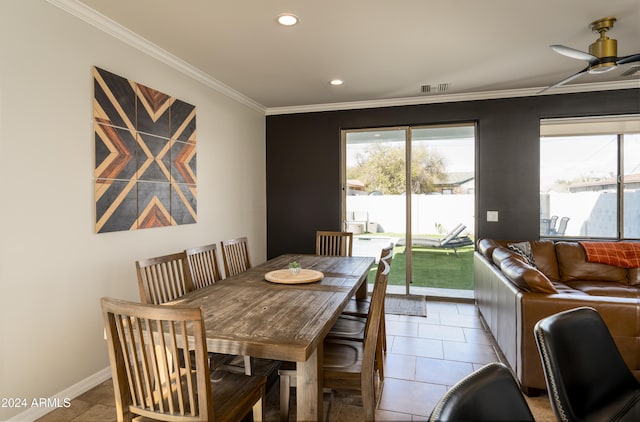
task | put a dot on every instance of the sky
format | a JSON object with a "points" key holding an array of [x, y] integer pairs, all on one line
{"points": [[569, 158], [458, 154], [561, 158]]}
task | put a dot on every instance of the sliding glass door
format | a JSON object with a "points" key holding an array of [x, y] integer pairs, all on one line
{"points": [[442, 210], [374, 200], [413, 187]]}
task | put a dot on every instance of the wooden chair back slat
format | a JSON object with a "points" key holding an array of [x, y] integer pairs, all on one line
{"points": [[235, 256], [164, 278], [332, 243], [203, 265]]}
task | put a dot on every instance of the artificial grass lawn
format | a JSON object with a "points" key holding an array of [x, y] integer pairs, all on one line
{"points": [[434, 268]]}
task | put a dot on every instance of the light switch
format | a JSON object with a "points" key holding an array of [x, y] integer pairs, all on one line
{"points": [[492, 216]]}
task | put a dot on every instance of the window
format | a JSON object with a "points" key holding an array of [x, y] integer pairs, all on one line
{"points": [[590, 178]]}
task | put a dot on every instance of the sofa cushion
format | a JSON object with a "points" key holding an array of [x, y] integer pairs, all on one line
{"points": [[544, 253], [564, 289], [526, 277], [573, 265], [605, 288], [501, 253], [486, 247], [634, 276]]}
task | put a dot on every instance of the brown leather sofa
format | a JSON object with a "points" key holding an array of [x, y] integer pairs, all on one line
{"points": [[514, 290]]}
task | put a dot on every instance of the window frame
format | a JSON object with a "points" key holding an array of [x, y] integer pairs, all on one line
{"points": [[618, 126]]}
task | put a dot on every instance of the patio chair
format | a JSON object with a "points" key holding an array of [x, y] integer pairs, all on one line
{"points": [[451, 240], [562, 227]]}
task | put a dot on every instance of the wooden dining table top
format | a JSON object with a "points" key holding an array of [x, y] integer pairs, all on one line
{"points": [[247, 315]]}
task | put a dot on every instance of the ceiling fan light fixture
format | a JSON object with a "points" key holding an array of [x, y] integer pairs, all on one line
{"points": [[602, 68]]}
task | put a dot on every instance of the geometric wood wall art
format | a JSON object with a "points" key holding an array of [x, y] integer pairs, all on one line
{"points": [[145, 149]]}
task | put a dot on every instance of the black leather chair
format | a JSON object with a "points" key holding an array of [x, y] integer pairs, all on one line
{"points": [[586, 377], [489, 394]]}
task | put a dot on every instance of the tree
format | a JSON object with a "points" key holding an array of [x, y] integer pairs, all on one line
{"points": [[382, 168]]}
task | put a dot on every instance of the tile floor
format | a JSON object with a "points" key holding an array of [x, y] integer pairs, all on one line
{"points": [[425, 356]]}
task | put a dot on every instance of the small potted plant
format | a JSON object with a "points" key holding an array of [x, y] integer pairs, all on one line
{"points": [[294, 267]]}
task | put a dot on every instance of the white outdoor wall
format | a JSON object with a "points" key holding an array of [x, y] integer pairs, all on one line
{"points": [[53, 267], [428, 210], [593, 214]]}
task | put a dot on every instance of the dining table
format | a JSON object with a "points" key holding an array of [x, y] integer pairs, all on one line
{"points": [[247, 315]]}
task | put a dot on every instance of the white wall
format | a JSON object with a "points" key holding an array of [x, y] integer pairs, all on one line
{"points": [[594, 214], [428, 211], [53, 267]]}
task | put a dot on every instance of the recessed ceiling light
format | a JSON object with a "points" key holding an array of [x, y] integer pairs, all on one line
{"points": [[336, 82], [287, 19]]}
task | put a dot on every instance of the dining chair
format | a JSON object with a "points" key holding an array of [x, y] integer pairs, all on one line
{"points": [[203, 265], [330, 243], [235, 256], [164, 278], [360, 307], [354, 327], [489, 394], [349, 364], [146, 343], [586, 376]]}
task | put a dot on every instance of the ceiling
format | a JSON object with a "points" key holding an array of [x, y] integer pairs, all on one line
{"points": [[382, 49]]}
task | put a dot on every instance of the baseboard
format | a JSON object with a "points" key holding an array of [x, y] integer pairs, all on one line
{"points": [[72, 392]]}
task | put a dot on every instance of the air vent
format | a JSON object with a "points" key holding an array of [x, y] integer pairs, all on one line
{"points": [[431, 89], [632, 71]]}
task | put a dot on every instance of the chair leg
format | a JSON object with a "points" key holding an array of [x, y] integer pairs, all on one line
{"points": [[369, 401]]}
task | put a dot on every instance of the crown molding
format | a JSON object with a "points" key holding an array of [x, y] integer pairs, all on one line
{"points": [[111, 27], [449, 98]]}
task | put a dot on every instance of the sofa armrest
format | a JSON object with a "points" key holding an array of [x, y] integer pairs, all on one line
{"points": [[622, 316]]}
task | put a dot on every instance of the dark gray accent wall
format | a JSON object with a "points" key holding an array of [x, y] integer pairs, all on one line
{"points": [[303, 160]]}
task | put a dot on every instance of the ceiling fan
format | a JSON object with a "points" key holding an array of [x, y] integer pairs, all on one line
{"points": [[602, 55]]}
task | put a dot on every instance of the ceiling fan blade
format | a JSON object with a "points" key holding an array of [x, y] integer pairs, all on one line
{"points": [[629, 59], [565, 80], [573, 53]]}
